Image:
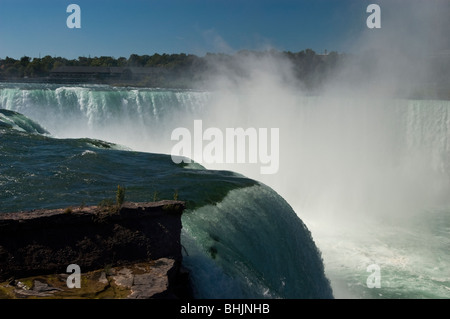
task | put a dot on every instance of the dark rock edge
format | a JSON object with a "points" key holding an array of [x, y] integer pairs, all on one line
{"points": [[45, 242]]}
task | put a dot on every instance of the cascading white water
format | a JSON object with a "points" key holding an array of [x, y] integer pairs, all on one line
{"points": [[361, 172], [253, 234], [140, 119], [348, 151]]}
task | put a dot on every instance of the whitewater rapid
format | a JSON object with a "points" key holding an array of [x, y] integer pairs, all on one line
{"points": [[240, 238], [368, 176]]}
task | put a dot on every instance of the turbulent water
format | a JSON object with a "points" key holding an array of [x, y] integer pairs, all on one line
{"points": [[369, 178], [233, 228]]}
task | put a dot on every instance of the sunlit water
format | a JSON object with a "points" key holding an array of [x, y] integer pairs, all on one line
{"points": [[369, 178]]}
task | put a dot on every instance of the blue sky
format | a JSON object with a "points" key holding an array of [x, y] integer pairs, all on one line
{"points": [[120, 28]]}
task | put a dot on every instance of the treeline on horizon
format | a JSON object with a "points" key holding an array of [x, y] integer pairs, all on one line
{"points": [[187, 71], [179, 69]]}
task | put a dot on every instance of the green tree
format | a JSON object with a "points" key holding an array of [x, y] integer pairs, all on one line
{"points": [[24, 61]]}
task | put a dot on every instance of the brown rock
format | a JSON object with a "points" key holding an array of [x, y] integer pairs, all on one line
{"points": [[45, 242]]}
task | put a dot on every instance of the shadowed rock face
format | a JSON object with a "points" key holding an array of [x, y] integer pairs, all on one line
{"points": [[45, 242]]}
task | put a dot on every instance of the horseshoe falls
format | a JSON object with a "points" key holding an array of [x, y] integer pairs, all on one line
{"points": [[361, 182], [241, 239]]}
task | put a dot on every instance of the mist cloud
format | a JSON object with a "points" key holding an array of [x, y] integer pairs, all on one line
{"points": [[355, 146]]}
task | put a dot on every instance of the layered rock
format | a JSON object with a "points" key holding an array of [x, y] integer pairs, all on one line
{"points": [[141, 239]]}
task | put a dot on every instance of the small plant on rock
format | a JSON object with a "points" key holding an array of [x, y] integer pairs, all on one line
{"points": [[120, 195]]}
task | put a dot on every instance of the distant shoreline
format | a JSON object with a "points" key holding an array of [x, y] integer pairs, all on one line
{"points": [[94, 77], [312, 73]]}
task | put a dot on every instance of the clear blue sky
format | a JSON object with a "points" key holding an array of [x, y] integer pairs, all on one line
{"points": [[120, 28]]}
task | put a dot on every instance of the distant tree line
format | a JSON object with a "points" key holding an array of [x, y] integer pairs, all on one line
{"points": [[41, 67], [309, 66], [311, 69]]}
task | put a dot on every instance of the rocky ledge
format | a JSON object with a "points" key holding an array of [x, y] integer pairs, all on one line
{"points": [[132, 251]]}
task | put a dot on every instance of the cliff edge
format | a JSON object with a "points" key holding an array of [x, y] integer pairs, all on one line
{"points": [[131, 251]]}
